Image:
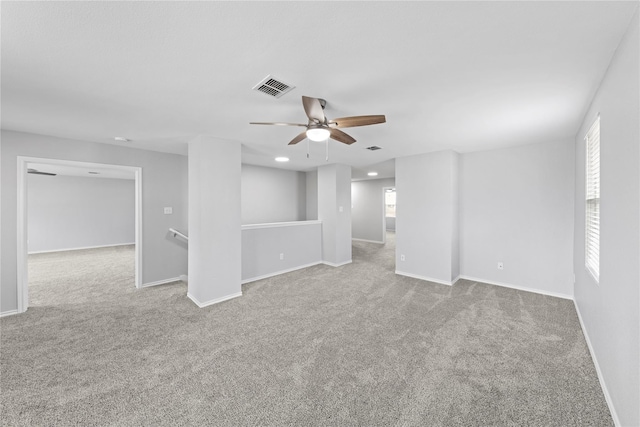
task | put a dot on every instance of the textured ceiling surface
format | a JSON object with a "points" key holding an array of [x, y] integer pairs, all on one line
{"points": [[465, 76]]}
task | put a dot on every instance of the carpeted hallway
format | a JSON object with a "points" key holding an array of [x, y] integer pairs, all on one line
{"points": [[323, 346]]}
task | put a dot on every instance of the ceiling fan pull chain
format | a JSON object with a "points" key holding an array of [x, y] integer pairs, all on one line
{"points": [[307, 148], [327, 144]]}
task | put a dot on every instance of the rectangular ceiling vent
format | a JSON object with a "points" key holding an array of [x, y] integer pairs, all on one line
{"points": [[374, 148], [273, 87]]}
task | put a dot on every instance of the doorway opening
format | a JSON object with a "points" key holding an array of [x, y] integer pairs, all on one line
{"points": [[37, 170], [389, 212]]}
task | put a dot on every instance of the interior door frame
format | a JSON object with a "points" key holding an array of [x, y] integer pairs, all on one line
{"points": [[22, 282], [384, 212]]}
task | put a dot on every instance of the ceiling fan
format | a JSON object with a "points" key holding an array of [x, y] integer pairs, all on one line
{"points": [[320, 128]]}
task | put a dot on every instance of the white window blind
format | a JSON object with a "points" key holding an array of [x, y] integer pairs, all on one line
{"points": [[592, 203]]}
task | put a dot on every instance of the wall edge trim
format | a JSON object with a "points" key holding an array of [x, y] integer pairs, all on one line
{"points": [[280, 224], [368, 241], [333, 264], [82, 248], [603, 384], [428, 279], [279, 272], [518, 287], [161, 282], [213, 301], [8, 313]]}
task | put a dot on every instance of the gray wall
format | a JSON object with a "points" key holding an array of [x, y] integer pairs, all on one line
{"points": [[334, 210], [517, 208], [299, 243], [367, 201], [427, 216], [273, 195], [610, 309], [69, 212], [164, 183]]}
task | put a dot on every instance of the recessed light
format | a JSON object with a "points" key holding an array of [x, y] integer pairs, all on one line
{"points": [[282, 159], [373, 174], [121, 139]]}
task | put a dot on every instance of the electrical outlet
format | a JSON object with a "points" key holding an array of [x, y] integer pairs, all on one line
{"points": [[402, 257], [500, 266], [281, 256], [168, 211]]}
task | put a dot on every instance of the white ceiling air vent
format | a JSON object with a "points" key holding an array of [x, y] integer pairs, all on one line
{"points": [[272, 86], [373, 148]]}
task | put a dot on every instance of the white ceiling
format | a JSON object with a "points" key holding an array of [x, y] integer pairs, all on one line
{"points": [[465, 76]]}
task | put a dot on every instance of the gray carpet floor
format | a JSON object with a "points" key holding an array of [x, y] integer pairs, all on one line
{"points": [[323, 346]]}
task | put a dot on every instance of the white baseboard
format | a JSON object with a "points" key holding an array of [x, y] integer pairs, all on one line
{"points": [[8, 313], [520, 288], [161, 282], [603, 385], [368, 241], [428, 279], [184, 278], [276, 273], [331, 264], [213, 301], [82, 248]]}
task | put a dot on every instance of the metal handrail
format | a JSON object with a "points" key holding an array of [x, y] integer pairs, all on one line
{"points": [[177, 233]]}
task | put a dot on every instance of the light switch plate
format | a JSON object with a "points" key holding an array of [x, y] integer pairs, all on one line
{"points": [[168, 211]]}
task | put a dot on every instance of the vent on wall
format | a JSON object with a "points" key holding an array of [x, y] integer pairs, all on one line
{"points": [[373, 148], [273, 87]]}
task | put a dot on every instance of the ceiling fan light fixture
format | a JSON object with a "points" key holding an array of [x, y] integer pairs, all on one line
{"points": [[318, 134]]}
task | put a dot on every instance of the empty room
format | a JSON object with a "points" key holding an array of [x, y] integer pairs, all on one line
{"points": [[367, 213]]}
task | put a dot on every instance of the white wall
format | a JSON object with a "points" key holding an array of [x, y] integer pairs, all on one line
{"points": [[273, 195], [164, 183], [517, 208], [299, 243], [367, 212], [214, 220], [69, 212], [427, 216], [610, 309]]}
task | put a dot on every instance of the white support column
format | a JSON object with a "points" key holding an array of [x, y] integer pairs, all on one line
{"points": [[214, 221], [334, 210]]}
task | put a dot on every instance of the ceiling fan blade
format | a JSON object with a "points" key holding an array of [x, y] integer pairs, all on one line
{"points": [[313, 108], [298, 138], [277, 124], [349, 122], [338, 135]]}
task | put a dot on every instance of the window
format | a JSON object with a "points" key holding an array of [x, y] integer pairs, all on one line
{"points": [[592, 202]]}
